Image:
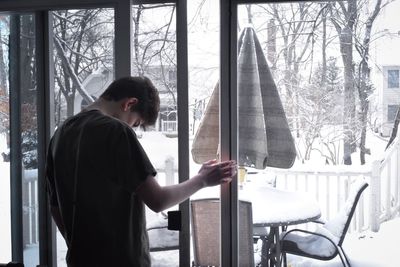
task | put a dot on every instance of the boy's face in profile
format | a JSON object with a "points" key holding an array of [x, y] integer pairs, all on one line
{"points": [[135, 120]]}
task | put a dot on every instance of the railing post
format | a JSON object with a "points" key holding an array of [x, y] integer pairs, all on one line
{"points": [[397, 177], [360, 211], [375, 196], [387, 191], [169, 171]]}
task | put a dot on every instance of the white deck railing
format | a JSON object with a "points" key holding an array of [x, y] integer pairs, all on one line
{"points": [[169, 126], [329, 184], [30, 208]]}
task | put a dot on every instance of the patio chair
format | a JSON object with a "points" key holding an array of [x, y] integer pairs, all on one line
{"points": [[205, 215], [326, 242]]}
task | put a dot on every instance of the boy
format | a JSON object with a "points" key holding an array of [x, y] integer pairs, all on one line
{"points": [[99, 178]]}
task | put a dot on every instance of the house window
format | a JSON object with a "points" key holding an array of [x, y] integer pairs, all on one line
{"points": [[172, 75], [393, 78], [392, 110]]}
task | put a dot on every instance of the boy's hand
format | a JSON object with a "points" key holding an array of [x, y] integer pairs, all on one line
{"points": [[215, 173]]}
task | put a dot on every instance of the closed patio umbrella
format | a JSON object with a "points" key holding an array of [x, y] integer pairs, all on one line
{"points": [[264, 135]]}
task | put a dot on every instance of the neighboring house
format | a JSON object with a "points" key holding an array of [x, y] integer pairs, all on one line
{"points": [[94, 84], [98, 81], [389, 98], [164, 79]]}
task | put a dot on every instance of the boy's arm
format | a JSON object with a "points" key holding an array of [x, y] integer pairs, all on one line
{"points": [[159, 198]]}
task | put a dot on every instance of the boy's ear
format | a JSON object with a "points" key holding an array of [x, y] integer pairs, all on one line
{"points": [[129, 102]]}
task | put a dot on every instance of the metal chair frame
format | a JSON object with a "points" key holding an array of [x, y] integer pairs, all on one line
{"points": [[338, 247]]}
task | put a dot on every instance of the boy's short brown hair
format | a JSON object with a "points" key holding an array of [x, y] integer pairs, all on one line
{"points": [[142, 89]]}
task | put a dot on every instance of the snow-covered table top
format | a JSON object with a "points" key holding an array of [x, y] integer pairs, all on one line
{"points": [[274, 207], [271, 206]]}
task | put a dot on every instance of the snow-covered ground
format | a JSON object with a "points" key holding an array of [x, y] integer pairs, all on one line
{"points": [[365, 249]]}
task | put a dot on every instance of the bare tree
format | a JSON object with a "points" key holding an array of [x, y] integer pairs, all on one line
{"points": [[320, 111], [295, 24], [83, 41], [154, 47]]}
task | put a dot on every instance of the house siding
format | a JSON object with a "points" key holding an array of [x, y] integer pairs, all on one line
{"points": [[389, 96]]}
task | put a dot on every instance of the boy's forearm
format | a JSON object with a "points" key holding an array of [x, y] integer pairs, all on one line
{"points": [[211, 173], [177, 193], [160, 198]]}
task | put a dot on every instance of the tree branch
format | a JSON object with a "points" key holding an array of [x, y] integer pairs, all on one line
{"points": [[74, 77]]}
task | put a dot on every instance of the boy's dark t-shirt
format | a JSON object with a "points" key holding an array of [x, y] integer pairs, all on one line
{"points": [[99, 160]]}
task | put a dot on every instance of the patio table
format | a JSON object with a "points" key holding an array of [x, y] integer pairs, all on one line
{"points": [[276, 208]]}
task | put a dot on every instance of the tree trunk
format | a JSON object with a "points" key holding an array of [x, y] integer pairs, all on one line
{"points": [[345, 31], [271, 45], [346, 48], [70, 106], [395, 129], [28, 95], [364, 90], [324, 46], [249, 14]]}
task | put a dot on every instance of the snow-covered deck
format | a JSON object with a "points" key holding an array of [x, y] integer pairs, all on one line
{"points": [[364, 248]]}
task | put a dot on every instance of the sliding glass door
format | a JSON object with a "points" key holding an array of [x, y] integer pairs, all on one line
{"points": [[19, 130]]}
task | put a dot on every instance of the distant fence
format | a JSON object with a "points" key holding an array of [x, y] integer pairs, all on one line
{"points": [[169, 126]]}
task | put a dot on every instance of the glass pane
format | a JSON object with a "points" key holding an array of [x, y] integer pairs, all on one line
{"points": [[333, 77], [29, 142], [204, 56], [5, 223], [27, 69], [393, 78], [83, 46], [154, 56]]}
